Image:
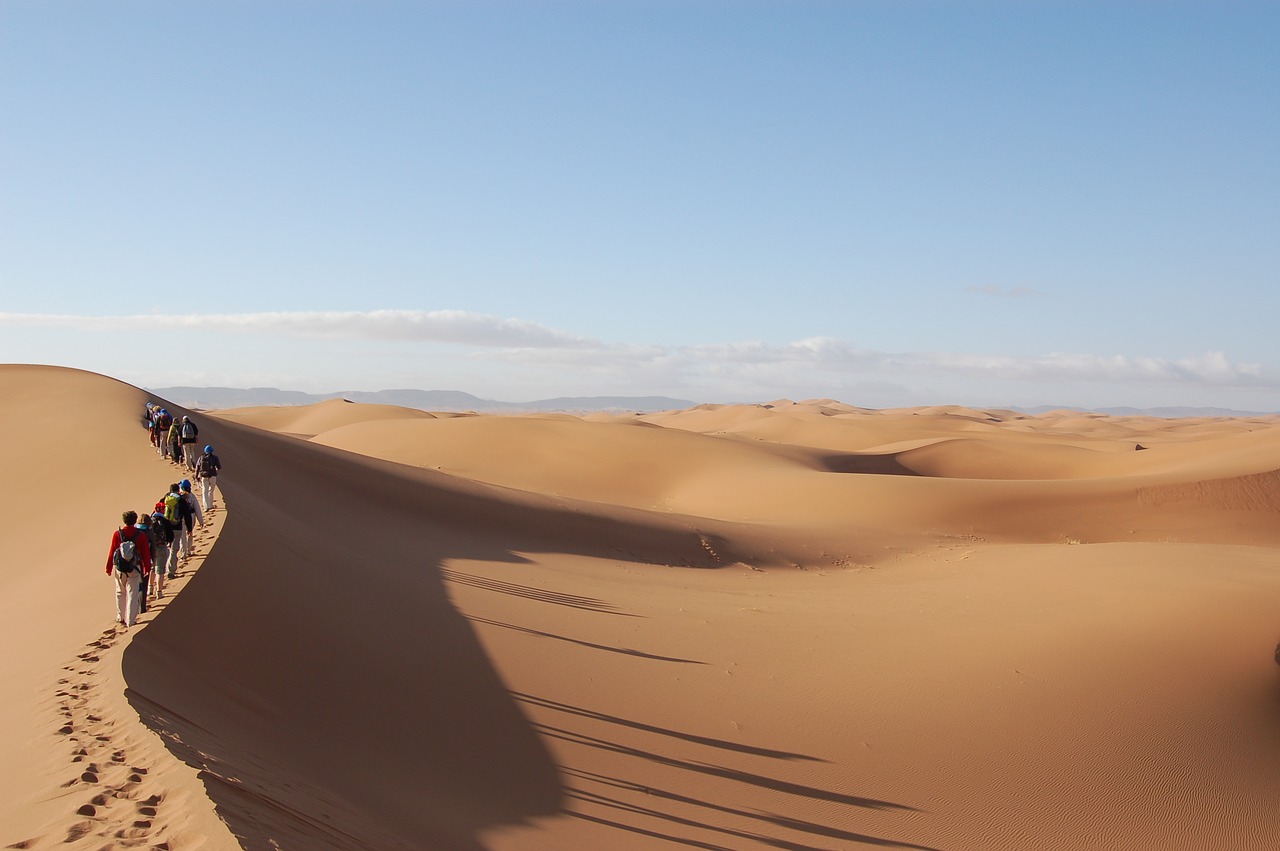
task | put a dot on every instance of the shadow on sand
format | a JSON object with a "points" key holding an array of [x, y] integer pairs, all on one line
{"points": [[316, 674]]}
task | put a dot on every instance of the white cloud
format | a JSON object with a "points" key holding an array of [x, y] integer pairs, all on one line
{"points": [[824, 359], [434, 326], [537, 353]]}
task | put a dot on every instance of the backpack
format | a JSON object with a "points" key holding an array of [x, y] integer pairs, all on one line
{"points": [[188, 430], [164, 421], [173, 509], [154, 536], [185, 511], [162, 527], [207, 465], [125, 558]]}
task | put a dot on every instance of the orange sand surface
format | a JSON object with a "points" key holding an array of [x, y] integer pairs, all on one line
{"points": [[797, 625]]}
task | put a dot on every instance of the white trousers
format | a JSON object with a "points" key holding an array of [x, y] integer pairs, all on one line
{"points": [[209, 483], [189, 455], [128, 596]]}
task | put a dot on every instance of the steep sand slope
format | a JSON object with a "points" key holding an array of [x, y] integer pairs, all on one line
{"points": [[317, 665]]}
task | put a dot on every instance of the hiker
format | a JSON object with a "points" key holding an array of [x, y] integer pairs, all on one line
{"points": [[178, 512], [129, 561], [170, 566], [161, 535], [153, 413], [195, 515], [207, 474], [187, 433], [160, 430], [143, 525], [173, 442]]}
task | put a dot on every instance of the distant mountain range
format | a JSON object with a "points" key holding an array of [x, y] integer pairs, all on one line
{"points": [[216, 398]]}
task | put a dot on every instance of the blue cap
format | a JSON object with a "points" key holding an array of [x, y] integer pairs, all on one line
{"points": [[208, 448], [185, 484]]}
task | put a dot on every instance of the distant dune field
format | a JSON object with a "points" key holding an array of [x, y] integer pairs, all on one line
{"points": [[797, 625]]}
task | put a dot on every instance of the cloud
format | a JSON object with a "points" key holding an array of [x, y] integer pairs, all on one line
{"points": [[434, 326], [1209, 368], [827, 359], [1005, 292], [817, 361]]}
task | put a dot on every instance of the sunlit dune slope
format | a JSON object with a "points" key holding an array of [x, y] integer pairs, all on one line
{"points": [[919, 471], [309, 420], [73, 457]]}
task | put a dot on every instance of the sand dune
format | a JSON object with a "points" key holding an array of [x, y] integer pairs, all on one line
{"points": [[802, 625], [959, 470], [310, 420]]}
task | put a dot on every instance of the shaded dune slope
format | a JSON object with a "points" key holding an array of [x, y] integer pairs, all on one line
{"points": [[317, 666]]}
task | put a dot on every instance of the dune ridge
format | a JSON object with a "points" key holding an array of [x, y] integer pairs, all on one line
{"points": [[801, 625]]}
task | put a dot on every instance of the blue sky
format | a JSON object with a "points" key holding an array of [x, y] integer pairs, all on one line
{"points": [[889, 203]]}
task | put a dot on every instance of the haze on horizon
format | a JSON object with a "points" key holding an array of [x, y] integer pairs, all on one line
{"points": [[889, 204]]}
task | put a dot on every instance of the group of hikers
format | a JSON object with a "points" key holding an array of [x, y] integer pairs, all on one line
{"points": [[176, 438], [146, 550]]}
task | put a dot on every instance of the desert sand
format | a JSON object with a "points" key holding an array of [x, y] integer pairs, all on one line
{"points": [[801, 625]]}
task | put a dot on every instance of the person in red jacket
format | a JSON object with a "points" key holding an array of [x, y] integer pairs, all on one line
{"points": [[130, 566]]}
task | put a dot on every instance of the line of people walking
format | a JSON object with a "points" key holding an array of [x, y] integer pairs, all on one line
{"points": [[173, 437], [147, 548]]}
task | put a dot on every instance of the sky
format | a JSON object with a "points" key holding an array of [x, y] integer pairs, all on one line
{"points": [[886, 203]]}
